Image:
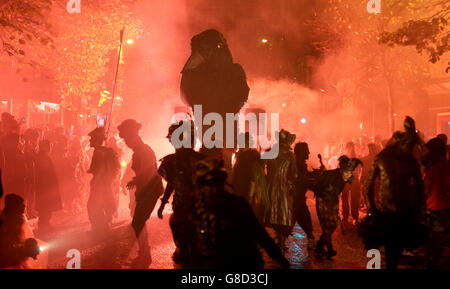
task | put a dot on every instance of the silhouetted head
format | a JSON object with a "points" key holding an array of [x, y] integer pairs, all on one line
{"points": [[9, 123], [32, 248], [14, 205], [44, 147], [286, 138], [406, 140], [437, 151], [301, 151], [209, 172], [97, 137], [443, 137], [185, 131], [129, 131], [347, 166], [31, 135]]}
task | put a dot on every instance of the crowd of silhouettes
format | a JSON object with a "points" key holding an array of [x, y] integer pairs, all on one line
{"points": [[398, 195]]}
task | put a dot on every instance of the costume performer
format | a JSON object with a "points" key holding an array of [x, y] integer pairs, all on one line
{"points": [[220, 230], [437, 192], [305, 180], [212, 80], [17, 243], [48, 197], [327, 191], [394, 194], [148, 186], [249, 179], [178, 170], [351, 191], [281, 175], [104, 167]]}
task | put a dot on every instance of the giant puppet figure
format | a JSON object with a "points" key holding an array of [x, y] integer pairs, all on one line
{"points": [[211, 79]]}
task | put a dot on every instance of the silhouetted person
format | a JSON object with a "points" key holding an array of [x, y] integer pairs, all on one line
{"points": [[148, 186], [65, 171], [249, 179], [437, 193], [281, 176], [367, 163], [30, 151], [351, 190], [112, 143], [329, 187], [9, 124], [178, 169], [16, 238], [444, 138], [220, 230], [14, 171], [73, 177], [48, 198], [104, 168], [305, 180], [394, 204]]}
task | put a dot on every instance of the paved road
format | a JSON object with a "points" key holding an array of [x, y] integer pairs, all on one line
{"points": [[118, 248]]}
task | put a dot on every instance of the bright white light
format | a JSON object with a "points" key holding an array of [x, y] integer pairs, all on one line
{"points": [[41, 248], [130, 41], [264, 40], [283, 104], [303, 120]]}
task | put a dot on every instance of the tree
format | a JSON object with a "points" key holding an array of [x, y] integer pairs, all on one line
{"points": [[429, 34], [350, 38], [72, 49], [22, 24]]}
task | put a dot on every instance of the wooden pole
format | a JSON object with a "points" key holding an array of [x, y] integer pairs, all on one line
{"points": [[115, 81]]}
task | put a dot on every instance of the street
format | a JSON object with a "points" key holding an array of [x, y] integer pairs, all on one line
{"points": [[116, 250]]}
